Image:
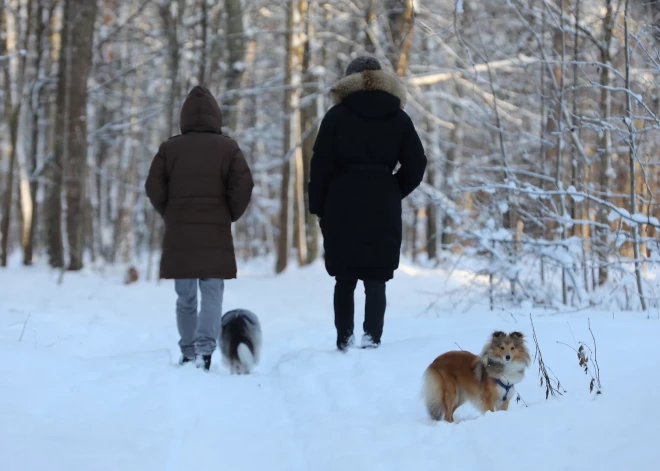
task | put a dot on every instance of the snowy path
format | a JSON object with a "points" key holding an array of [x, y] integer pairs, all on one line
{"points": [[93, 385]]}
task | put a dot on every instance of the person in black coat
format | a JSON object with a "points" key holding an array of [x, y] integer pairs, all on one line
{"points": [[355, 192]]}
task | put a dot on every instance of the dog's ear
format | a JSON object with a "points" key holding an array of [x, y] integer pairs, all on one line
{"points": [[516, 335], [498, 333]]}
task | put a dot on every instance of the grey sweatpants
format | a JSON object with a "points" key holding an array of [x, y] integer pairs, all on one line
{"points": [[199, 333]]}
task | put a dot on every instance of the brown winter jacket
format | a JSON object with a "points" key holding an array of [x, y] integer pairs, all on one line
{"points": [[200, 183]]}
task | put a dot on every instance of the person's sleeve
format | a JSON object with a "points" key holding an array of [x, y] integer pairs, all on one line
{"points": [[412, 159], [239, 185], [156, 184], [322, 165]]}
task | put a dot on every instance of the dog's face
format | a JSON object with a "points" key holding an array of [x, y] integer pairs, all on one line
{"points": [[507, 348]]}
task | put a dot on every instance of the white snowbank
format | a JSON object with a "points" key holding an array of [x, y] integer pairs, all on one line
{"points": [[88, 381]]}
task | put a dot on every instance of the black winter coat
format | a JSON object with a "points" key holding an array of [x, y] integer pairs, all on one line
{"points": [[352, 186]]}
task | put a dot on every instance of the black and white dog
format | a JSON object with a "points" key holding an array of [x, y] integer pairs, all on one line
{"points": [[240, 340]]}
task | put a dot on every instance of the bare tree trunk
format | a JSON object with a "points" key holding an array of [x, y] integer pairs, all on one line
{"points": [[18, 146], [431, 209], [605, 141], [232, 106], [283, 241], [296, 138], [201, 76], [246, 226], [241, 53], [417, 215], [128, 172], [560, 145], [401, 21], [12, 121], [53, 206], [267, 241], [101, 200], [123, 239], [101, 195], [433, 130], [578, 213], [309, 115], [14, 92], [41, 20], [576, 166], [71, 146], [431, 223], [292, 189], [634, 227], [542, 137], [454, 154], [152, 217], [9, 195], [370, 20], [170, 14], [554, 114]]}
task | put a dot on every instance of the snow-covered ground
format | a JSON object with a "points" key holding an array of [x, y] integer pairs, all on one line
{"points": [[89, 381]]}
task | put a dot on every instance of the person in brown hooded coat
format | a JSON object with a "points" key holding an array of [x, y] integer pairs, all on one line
{"points": [[200, 183]]}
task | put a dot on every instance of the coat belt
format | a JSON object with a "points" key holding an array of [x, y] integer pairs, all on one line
{"points": [[368, 168]]}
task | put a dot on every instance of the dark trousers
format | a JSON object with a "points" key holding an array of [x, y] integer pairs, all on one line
{"points": [[374, 312]]}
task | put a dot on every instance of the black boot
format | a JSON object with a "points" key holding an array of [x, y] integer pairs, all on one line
{"points": [[344, 342], [369, 342], [344, 310], [204, 362], [183, 360], [374, 313]]}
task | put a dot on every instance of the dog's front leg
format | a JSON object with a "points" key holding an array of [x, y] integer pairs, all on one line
{"points": [[505, 404], [488, 404]]}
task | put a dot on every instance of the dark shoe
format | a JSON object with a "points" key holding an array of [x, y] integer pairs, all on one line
{"points": [[344, 343], [184, 359], [204, 362], [369, 342]]}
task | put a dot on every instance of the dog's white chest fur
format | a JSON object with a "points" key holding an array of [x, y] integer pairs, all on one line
{"points": [[502, 393], [513, 374]]}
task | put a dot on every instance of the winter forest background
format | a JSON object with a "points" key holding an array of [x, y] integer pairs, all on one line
{"points": [[540, 119]]}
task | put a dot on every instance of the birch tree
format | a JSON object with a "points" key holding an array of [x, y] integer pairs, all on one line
{"points": [[7, 117], [71, 126], [292, 189]]}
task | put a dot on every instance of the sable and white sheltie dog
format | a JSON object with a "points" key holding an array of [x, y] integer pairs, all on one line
{"points": [[240, 340], [486, 380]]}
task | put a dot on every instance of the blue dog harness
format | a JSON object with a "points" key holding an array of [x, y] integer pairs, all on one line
{"points": [[507, 388]]}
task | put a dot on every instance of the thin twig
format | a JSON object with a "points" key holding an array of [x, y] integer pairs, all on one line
{"points": [[567, 345], [24, 326], [594, 358], [585, 356], [550, 388]]}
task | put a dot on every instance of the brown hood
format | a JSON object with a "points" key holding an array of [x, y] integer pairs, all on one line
{"points": [[200, 112]]}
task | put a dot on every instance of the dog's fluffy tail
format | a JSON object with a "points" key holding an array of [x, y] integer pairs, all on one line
{"points": [[245, 356], [432, 395], [240, 340]]}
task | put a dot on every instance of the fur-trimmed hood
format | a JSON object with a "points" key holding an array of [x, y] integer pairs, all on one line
{"points": [[369, 80]]}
